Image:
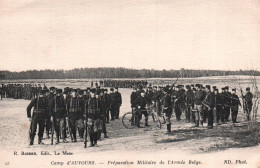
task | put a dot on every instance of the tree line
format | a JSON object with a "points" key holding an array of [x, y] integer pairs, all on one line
{"points": [[81, 73]]}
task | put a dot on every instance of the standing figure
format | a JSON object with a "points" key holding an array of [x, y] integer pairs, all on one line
{"points": [[38, 117], [235, 103], [93, 109], [75, 107], [248, 103], [118, 102], [57, 112]]}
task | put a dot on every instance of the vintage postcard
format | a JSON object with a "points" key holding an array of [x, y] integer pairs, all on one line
{"points": [[130, 83]]}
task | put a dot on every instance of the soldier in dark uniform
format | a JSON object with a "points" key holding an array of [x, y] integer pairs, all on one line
{"points": [[93, 108], [235, 103], [167, 108], [209, 104], [75, 107], [118, 102], [133, 98], [113, 104], [103, 111], [227, 104], [189, 100], [248, 102], [39, 114], [198, 98], [141, 103], [107, 105], [49, 95], [218, 106], [57, 111], [179, 102]]}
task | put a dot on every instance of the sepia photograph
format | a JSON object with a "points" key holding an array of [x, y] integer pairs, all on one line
{"points": [[130, 83]]}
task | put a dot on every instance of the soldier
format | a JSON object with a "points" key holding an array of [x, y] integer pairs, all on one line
{"points": [[248, 102], [141, 103], [75, 107], [218, 107], [189, 100], [113, 104], [223, 102], [93, 108], [179, 102], [226, 103], [118, 102], [198, 98], [107, 105], [209, 104], [133, 98], [235, 103], [49, 94], [39, 114], [103, 109], [167, 108], [57, 111]]}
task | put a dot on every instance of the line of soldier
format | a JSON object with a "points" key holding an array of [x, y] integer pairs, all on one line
{"points": [[70, 110], [20, 91], [123, 83], [197, 102]]}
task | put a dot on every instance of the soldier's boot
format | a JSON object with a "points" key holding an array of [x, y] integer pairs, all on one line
{"points": [[99, 135], [40, 141], [105, 135], [201, 123], [64, 140], [57, 138], [47, 134], [31, 140]]}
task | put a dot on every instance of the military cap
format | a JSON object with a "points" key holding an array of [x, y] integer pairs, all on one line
{"points": [[165, 89], [93, 90], [197, 85], [192, 85], [80, 91], [208, 86], [105, 90], [73, 90], [154, 86], [88, 88], [234, 89], [52, 88], [149, 87], [187, 86], [116, 87], [227, 87], [216, 90], [214, 87], [248, 89], [111, 89], [223, 88], [194, 89], [59, 91]]}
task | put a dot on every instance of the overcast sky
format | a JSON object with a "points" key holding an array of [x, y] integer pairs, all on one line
{"points": [[159, 34]]}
